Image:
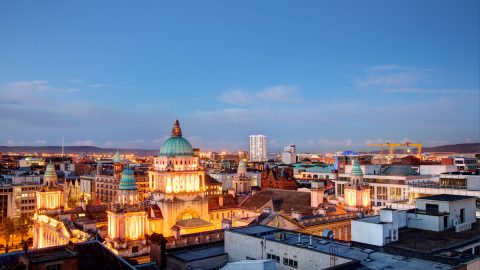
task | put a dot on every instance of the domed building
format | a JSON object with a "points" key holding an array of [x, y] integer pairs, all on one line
{"points": [[357, 192], [241, 182], [127, 220], [177, 186], [50, 196]]}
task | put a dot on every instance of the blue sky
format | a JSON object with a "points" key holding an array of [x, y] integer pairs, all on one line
{"points": [[325, 75]]}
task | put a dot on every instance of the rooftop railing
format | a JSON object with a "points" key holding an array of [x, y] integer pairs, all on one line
{"points": [[436, 185]]}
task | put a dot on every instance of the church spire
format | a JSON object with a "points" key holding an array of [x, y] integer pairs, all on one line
{"points": [[116, 157], [176, 130]]}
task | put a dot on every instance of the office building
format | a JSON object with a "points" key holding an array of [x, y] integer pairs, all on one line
{"points": [[258, 148], [289, 154]]}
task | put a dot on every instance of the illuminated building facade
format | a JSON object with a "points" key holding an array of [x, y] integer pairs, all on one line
{"points": [[106, 182], [357, 193], [47, 231], [127, 220], [241, 182], [177, 185], [50, 196]]}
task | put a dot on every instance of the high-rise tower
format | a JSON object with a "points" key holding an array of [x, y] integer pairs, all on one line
{"points": [[258, 148]]}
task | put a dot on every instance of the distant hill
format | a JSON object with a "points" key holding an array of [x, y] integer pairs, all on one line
{"points": [[71, 149], [462, 148], [454, 148]]}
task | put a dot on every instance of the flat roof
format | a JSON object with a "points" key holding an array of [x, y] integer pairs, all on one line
{"points": [[50, 254], [446, 197], [199, 254], [368, 258]]}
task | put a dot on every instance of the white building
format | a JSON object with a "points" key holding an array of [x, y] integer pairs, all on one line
{"points": [[289, 154], [302, 251], [389, 184], [442, 212], [456, 183], [433, 213], [31, 161], [466, 163], [258, 148], [381, 229]]}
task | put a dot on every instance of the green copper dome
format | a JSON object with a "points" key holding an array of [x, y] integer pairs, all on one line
{"points": [[128, 180], [116, 158], [356, 170], [176, 145]]}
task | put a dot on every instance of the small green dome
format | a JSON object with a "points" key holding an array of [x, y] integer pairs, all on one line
{"points": [[128, 180], [116, 157], [356, 170], [176, 145]]}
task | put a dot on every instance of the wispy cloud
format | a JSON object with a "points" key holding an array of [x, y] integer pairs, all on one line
{"points": [[102, 85], [38, 85], [401, 79], [278, 93], [390, 76]]}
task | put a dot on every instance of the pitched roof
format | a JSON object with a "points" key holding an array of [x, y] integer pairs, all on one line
{"points": [[281, 200], [193, 222], [228, 202]]}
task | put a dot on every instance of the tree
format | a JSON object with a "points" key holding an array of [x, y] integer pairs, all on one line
{"points": [[23, 225], [72, 202], [8, 227]]}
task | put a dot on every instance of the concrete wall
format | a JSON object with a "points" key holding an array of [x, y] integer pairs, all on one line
{"points": [[473, 182], [436, 169], [368, 232], [453, 208], [468, 205], [425, 222], [235, 244]]}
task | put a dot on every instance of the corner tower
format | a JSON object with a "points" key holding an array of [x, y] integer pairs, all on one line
{"points": [[357, 193]]}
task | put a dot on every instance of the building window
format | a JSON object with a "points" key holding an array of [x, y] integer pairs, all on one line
{"points": [[290, 262], [273, 257], [53, 267], [135, 249]]}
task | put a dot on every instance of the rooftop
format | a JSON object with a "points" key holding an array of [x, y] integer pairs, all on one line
{"points": [[369, 258], [50, 254], [430, 241], [281, 200], [446, 197], [199, 254]]}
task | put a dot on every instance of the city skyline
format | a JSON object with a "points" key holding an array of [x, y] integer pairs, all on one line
{"points": [[298, 73]]}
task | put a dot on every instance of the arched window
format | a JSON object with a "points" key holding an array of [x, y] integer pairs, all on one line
{"points": [[187, 216]]}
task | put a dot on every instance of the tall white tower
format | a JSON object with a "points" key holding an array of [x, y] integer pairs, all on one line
{"points": [[258, 148]]}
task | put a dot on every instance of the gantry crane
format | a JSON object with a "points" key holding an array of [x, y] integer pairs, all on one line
{"points": [[391, 148]]}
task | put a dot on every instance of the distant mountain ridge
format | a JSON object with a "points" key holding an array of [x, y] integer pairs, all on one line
{"points": [[71, 149], [451, 148], [454, 148]]}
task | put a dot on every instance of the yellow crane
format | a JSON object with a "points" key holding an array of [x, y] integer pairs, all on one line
{"points": [[391, 148]]}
